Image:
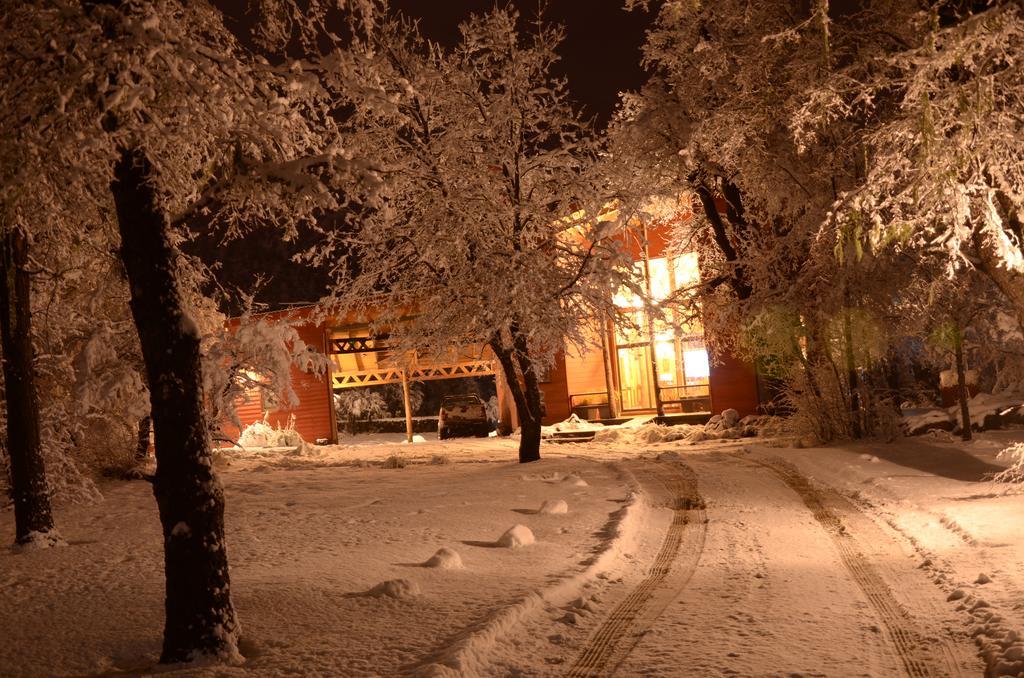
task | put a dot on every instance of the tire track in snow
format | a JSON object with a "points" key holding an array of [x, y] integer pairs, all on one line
{"points": [[909, 644], [635, 613]]}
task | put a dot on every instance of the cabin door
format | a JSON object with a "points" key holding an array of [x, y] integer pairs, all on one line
{"points": [[635, 383]]}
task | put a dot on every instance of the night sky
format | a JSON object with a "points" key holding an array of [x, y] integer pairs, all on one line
{"points": [[600, 55]]}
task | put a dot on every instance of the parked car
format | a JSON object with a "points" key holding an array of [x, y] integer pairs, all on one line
{"points": [[462, 415]]}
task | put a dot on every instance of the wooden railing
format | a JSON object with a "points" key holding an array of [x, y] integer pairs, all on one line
{"points": [[684, 396], [393, 375], [590, 405]]}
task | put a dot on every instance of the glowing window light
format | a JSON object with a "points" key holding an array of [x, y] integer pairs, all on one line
{"points": [[661, 283], [687, 270], [696, 365]]}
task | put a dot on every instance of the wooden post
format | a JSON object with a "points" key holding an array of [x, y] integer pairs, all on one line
{"points": [[656, 386], [408, 407], [962, 392], [613, 403], [507, 415]]}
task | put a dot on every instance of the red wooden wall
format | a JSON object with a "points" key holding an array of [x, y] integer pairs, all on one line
{"points": [[556, 392], [733, 385], [314, 415]]}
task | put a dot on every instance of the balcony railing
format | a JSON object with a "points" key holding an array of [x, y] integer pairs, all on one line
{"points": [[355, 379]]}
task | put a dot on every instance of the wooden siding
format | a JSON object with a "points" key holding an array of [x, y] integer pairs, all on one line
{"points": [[313, 415], [248, 411], [585, 373], [556, 392], [733, 385]]}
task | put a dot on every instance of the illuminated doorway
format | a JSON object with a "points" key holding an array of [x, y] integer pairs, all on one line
{"points": [[635, 383], [681, 358]]}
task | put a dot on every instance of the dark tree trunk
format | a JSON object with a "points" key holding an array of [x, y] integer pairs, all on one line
{"points": [[527, 400], [963, 395], [142, 447], [734, 210], [32, 517], [529, 442], [200, 619], [852, 381]]}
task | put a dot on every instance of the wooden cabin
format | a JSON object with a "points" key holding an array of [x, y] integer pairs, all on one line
{"points": [[615, 378]]}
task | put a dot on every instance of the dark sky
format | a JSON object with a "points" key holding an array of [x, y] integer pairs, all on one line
{"points": [[600, 55]]}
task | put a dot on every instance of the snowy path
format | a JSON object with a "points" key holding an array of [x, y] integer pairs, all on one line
{"points": [[790, 579], [667, 576], [918, 655], [811, 562], [962, 533]]}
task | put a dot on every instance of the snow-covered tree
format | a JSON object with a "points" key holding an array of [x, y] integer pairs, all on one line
{"points": [[715, 118], [939, 122], [485, 229], [198, 129], [251, 355], [833, 147]]}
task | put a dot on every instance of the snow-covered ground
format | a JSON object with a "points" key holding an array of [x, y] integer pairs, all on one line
{"points": [[678, 558]]}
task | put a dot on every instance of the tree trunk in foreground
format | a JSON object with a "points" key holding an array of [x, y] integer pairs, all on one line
{"points": [[852, 381], [142, 447], [963, 395], [33, 521], [200, 619], [527, 399]]}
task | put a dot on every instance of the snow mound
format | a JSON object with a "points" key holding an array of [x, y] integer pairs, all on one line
{"points": [[918, 421], [730, 417], [516, 537], [417, 438], [583, 604], [987, 410], [725, 426], [1014, 473], [554, 506], [573, 423], [395, 461], [445, 559], [395, 588], [575, 481]]}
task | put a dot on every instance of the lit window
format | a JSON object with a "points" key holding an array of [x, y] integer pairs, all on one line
{"points": [[661, 284], [665, 353], [687, 271], [695, 363]]}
